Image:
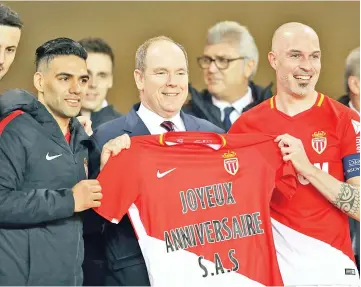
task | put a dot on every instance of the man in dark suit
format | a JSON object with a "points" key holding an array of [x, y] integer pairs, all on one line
{"points": [[161, 76], [229, 63], [100, 63]]}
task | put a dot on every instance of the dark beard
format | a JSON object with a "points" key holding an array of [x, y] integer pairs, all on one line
{"points": [[302, 85]]}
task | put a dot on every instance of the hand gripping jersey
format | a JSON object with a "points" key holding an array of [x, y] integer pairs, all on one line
{"points": [[199, 203], [312, 236]]}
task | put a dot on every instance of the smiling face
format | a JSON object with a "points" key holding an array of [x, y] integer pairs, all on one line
{"points": [[296, 58], [62, 83], [163, 85]]}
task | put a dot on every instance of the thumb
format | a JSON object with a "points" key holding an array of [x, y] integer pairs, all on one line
{"points": [[106, 153]]}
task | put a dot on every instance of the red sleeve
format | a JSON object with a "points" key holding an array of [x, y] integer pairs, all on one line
{"points": [[120, 184], [349, 134], [247, 123], [286, 177], [239, 126]]}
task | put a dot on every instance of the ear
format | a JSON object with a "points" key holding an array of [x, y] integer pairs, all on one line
{"points": [[139, 79], [354, 85], [39, 82], [249, 68], [272, 60]]}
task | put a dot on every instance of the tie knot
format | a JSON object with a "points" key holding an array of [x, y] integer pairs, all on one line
{"points": [[168, 126], [228, 111]]}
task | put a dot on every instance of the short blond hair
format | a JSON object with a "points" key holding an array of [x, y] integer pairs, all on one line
{"points": [[141, 53]]}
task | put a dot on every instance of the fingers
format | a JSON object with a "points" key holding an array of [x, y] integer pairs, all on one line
{"points": [[286, 150], [286, 157], [97, 196], [280, 137], [88, 123], [115, 146], [96, 204], [281, 144], [122, 142], [92, 181], [96, 188], [287, 140], [89, 131]]}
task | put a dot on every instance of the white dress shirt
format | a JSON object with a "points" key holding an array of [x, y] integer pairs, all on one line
{"points": [[152, 121], [105, 103], [238, 105], [352, 107]]}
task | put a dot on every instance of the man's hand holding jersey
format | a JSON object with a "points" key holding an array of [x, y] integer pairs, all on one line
{"points": [[113, 147], [344, 195], [87, 193], [87, 124]]}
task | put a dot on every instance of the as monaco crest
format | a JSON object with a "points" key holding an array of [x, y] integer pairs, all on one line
{"points": [[231, 162], [319, 141]]}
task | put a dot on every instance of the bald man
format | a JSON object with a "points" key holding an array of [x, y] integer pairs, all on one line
{"points": [[321, 137]]}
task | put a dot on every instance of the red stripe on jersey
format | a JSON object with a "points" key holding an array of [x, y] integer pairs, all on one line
{"points": [[8, 119]]}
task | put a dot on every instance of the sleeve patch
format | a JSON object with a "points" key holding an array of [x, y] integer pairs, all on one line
{"points": [[351, 165]]}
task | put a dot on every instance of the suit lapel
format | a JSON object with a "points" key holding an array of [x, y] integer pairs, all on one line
{"points": [[189, 122], [134, 125]]}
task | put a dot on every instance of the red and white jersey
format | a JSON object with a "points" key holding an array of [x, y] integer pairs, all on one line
{"points": [[199, 203], [312, 236]]}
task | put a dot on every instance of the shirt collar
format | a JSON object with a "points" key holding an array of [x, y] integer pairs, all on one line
{"points": [[238, 105], [352, 107], [155, 120]]}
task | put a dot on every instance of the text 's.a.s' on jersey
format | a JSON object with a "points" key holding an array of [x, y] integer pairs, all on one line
{"points": [[312, 236], [199, 203]]}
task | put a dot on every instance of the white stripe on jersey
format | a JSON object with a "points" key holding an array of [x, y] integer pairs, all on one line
{"points": [[304, 260]]}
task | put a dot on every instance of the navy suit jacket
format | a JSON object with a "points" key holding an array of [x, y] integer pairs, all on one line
{"points": [[121, 243]]}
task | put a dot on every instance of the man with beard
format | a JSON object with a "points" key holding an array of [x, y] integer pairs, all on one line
{"points": [[321, 137]]}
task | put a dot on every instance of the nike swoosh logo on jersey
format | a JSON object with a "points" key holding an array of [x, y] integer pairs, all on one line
{"points": [[160, 175], [48, 157]]}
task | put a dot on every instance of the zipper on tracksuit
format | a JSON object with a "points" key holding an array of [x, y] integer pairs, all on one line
{"points": [[78, 229]]}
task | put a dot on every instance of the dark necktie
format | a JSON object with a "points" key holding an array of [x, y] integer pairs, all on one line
{"points": [[227, 121], [168, 125]]}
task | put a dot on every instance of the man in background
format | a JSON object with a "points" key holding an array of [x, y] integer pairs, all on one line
{"points": [[352, 100], [352, 81], [229, 63], [100, 65], [10, 32]]}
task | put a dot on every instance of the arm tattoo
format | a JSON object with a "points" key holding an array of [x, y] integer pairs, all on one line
{"points": [[348, 199]]}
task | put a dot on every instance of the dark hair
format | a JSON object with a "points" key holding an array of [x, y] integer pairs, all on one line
{"points": [[9, 17], [97, 45], [57, 47]]}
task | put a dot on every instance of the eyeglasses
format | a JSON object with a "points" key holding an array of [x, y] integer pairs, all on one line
{"points": [[222, 63]]}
